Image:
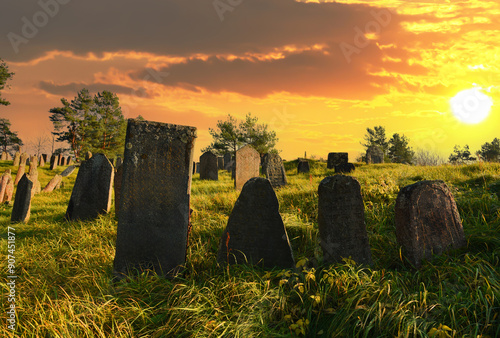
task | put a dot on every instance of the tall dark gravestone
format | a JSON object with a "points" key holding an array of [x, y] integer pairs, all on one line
{"points": [[337, 159], [341, 220], [53, 162], [22, 201], [209, 167], [247, 165], [427, 221], [91, 193], [220, 163], [154, 198], [255, 232], [41, 161], [303, 166], [274, 170]]}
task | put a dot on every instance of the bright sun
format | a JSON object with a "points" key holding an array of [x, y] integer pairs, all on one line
{"points": [[471, 106]]}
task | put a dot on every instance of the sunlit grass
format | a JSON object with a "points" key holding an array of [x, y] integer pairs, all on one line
{"points": [[64, 287]]}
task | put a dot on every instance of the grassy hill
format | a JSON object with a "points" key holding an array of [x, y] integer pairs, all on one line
{"points": [[64, 269]]}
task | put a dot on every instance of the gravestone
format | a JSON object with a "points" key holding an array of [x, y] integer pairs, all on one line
{"points": [[374, 154], [337, 159], [117, 185], [5, 156], [22, 202], [60, 160], [33, 176], [198, 167], [41, 161], [228, 162], [274, 170], [341, 220], [247, 165], [153, 217], [194, 167], [6, 187], [17, 159], [255, 232], [91, 193], [69, 160], [427, 221], [209, 167], [22, 168], [68, 171], [45, 157], [53, 162], [303, 166], [220, 162], [345, 168], [54, 183]]}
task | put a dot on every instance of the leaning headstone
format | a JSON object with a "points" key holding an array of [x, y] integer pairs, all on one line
{"points": [[374, 154], [54, 183], [53, 162], [91, 193], [22, 201], [427, 221], [22, 168], [303, 166], [208, 167], [345, 168], [17, 159], [274, 170], [153, 217], [337, 159], [68, 171], [41, 161], [6, 187], [220, 163], [33, 176], [228, 162], [247, 165], [255, 232], [117, 186], [341, 220]]}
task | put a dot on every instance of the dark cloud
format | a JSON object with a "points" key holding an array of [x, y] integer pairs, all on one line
{"points": [[71, 89]]}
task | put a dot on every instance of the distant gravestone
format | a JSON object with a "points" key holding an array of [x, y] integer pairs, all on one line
{"points": [[198, 167], [345, 168], [209, 166], [303, 166], [255, 232], [54, 183], [41, 161], [53, 162], [33, 176], [427, 221], [91, 193], [6, 187], [68, 171], [45, 157], [247, 165], [69, 160], [22, 168], [17, 159], [341, 220], [374, 154], [220, 163], [117, 185], [5, 156], [60, 160], [153, 217], [274, 170], [337, 159], [228, 162], [22, 202]]}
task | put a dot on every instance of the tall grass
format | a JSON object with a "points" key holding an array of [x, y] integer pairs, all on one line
{"points": [[64, 287]]}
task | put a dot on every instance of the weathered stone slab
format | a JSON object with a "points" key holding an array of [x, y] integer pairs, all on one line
{"points": [[255, 232], [5, 156], [45, 157], [22, 167], [6, 187], [22, 202], [154, 213], [337, 159], [345, 168], [274, 170], [69, 160], [341, 220], [247, 165], [209, 167], [427, 221], [117, 188], [303, 166], [17, 159], [41, 161], [220, 163], [374, 154], [53, 162], [33, 176], [92, 191], [54, 183], [68, 171]]}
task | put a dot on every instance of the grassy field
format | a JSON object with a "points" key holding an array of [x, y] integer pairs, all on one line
{"points": [[64, 269]]}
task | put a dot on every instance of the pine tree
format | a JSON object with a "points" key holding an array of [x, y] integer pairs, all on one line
{"points": [[399, 149], [8, 138]]}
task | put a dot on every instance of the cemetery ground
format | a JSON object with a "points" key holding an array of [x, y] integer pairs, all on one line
{"points": [[64, 286]]}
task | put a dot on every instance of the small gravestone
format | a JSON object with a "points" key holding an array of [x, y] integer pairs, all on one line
{"points": [[427, 221], [17, 159], [41, 161], [22, 167], [228, 162], [5, 156], [337, 159], [22, 201], [6, 187], [153, 218], [119, 162], [53, 162], [220, 163], [208, 167], [45, 157], [255, 232], [303, 166], [117, 185], [54, 183], [247, 165], [345, 168], [274, 170], [91, 193], [341, 220], [69, 160], [374, 154], [33, 175], [60, 160], [68, 171]]}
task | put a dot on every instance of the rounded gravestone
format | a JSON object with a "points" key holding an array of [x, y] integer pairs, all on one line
{"points": [[336, 159], [209, 166]]}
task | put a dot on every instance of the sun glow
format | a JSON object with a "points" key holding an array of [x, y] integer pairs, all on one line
{"points": [[471, 106]]}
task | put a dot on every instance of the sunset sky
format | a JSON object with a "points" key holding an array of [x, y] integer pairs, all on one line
{"points": [[318, 72]]}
